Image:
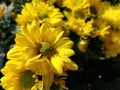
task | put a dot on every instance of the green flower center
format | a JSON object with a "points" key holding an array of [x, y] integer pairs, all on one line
{"points": [[26, 79], [42, 16], [46, 49]]}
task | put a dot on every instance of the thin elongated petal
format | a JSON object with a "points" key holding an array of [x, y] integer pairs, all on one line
{"points": [[48, 79], [65, 52], [57, 64], [64, 42], [69, 64]]}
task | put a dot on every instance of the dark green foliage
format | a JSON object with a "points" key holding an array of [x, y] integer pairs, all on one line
{"points": [[113, 2], [18, 5]]}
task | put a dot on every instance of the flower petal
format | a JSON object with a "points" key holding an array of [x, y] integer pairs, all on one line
{"points": [[68, 63], [48, 79], [21, 53], [65, 52], [37, 65], [57, 64], [64, 42]]}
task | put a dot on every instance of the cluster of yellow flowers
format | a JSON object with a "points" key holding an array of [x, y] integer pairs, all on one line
{"points": [[95, 19], [41, 50], [43, 47]]}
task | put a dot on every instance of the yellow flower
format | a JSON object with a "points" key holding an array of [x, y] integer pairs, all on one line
{"points": [[82, 45], [16, 77], [45, 50], [100, 28], [46, 42], [111, 43], [80, 27], [97, 7], [40, 12], [76, 9], [93, 27], [84, 17], [111, 15]]}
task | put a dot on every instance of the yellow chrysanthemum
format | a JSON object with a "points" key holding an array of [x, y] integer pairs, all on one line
{"points": [[97, 7], [112, 16], [111, 43], [16, 77], [40, 12], [46, 42], [77, 9], [93, 27], [82, 17], [100, 28], [46, 51], [80, 27]]}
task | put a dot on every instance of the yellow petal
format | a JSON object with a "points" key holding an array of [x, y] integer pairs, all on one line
{"points": [[48, 79], [51, 35], [64, 42], [59, 35], [21, 53], [57, 64], [37, 65], [15, 53], [65, 52], [21, 40], [69, 64]]}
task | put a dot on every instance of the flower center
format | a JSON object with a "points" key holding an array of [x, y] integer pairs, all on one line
{"points": [[26, 79], [46, 49], [93, 10], [42, 16]]}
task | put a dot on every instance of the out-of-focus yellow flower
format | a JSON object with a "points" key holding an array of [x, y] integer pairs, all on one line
{"points": [[112, 16], [40, 12], [80, 27], [100, 28], [0, 12], [77, 9], [97, 7], [16, 77], [45, 50], [82, 17], [82, 45], [61, 83], [3, 8], [92, 28], [111, 43]]}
